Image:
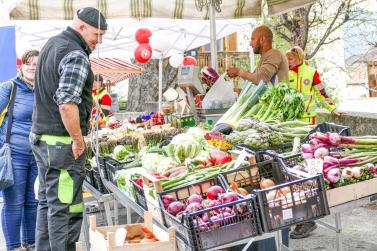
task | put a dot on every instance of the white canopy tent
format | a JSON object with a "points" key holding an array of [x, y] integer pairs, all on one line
{"points": [[180, 35], [150, 9]]}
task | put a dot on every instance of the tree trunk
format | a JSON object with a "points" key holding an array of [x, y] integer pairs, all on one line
{"points": [[143, 88]]}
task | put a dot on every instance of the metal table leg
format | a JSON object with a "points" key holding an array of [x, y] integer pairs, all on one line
{"points": [[108, 213], [129, 220], [338, 226], [278, 240], [116, 212], [85, 227]]}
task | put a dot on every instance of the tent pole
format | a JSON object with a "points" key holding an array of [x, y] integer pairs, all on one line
{"points": [[160, 84], [212, 20]]}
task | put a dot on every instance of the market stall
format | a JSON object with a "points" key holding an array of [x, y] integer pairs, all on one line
{"points": [[257, 171]]}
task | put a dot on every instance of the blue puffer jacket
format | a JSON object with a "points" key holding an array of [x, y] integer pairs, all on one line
{"points": [[23, 109]]}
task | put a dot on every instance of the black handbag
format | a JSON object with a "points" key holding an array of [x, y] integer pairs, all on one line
{"points": [[6, 168]]}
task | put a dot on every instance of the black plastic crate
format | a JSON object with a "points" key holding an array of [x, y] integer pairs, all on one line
{"points": [[292, 203], [244, 223], [102, 165], [274, 213], [111, 167], [250, 176], [284, 151], [93, 177], [330, 127], [139, 195]]}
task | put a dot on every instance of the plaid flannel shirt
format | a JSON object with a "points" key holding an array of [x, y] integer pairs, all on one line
{"points": [[73, 71]]}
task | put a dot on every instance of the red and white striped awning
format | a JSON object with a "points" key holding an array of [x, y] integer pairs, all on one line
{"points": [[114, 70]]}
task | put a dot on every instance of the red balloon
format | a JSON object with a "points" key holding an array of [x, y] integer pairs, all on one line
{"points": [[143, 53], [142, 35], [189, 60]]}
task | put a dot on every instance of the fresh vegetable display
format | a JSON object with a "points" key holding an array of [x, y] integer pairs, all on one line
{"points": [[259, 135], [346, 160], [276, 104], [247, 99], [215, 196]]}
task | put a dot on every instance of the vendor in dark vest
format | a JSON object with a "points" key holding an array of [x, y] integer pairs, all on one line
{"points": [[62, 109], [101, 95]]}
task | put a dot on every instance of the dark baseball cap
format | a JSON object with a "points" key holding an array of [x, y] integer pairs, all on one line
{"points": [[90, 16]]}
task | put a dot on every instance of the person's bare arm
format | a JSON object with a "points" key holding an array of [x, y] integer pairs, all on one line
{"points": [[265, 71], [71, 120]]}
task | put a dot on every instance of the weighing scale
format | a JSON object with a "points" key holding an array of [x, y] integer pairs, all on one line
{"points": [[188, 80]]}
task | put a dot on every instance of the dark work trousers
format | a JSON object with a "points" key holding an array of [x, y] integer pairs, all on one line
{"points": [[60, 207]]}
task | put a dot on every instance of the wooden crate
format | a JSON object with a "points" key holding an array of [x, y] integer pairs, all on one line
{"points": [[352, 192], [103, 238], [152, 202]]}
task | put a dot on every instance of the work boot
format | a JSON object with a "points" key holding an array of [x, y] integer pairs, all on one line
{"points": [[18, 249], [29, 247], [303, 230]]}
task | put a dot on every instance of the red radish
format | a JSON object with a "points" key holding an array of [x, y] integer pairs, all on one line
{"points": [[193, 207], [331, 160], [214, 192], [334, 175], [334, 138], [175, 207], [307, 155], [347, 173], [306, 148], [357, 172], [320, 136], [228, 197], [194, 198], [320, 153]]}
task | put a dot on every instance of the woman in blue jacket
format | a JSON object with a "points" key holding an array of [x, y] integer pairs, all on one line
{"points": [[20, 206]]}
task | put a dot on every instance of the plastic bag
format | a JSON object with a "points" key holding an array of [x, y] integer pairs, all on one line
{"points": [[220, 96]]}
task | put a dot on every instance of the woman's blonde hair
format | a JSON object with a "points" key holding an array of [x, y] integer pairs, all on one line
{"points": [[297, 52]]}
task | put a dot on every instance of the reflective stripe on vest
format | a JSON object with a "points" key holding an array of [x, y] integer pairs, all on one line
{"points": [[100, 95], [303, 82]]}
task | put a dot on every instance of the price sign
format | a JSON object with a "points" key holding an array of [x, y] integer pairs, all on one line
{"points": [[315, 166], [242, 157], [287, 214]]}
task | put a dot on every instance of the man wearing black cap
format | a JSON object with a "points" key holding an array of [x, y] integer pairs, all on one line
{"points": [[62, 108]]}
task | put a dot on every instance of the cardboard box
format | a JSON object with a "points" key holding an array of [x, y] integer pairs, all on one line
{"points": [[352, 192]]}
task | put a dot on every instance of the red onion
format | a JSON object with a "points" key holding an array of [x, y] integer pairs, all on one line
{"points": [[175, 207], [214, 192], [194, 198]]}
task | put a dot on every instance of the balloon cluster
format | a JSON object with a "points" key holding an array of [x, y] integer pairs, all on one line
{"points": [[143, 51], [179, 60]]}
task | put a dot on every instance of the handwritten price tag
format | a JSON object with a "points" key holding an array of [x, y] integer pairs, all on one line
{"points": [[242, 157], [287, 214], [315, 166]]}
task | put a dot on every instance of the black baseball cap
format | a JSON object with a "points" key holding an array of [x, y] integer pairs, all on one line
{"points": [[90, 16]]}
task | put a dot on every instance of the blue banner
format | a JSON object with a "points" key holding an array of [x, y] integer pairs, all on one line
{"points": [[8, 64]]}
